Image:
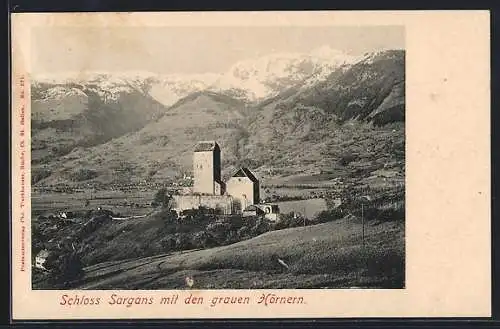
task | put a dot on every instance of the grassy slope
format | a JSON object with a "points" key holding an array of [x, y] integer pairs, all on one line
{"points": [[163, 145], [327, 255]]}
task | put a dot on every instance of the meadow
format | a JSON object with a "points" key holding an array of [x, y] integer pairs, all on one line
{"points": [[126, 203], [329, 255]]}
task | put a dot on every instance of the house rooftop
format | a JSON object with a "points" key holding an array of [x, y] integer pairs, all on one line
{"points": [[245, 172], [43, 253], [206, 146], [254, 208]]}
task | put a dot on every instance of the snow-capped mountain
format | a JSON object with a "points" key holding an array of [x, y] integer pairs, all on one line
{"points": [[169, 89], [249, 80], [166, 89], [266, 76]]}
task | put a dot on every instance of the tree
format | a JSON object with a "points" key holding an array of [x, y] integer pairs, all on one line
{"points": [[64, 267], [345, 159], [162, 199], [329, 215]]}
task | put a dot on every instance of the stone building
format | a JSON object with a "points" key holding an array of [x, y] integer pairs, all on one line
{"points": [[222, 203], [269, 211], [207, 169], [41, 258], [237, 194], [244, 187]]}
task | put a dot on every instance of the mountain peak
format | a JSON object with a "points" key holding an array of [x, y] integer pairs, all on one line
{"points": [[326, 52], [266, 76], [249, 80]]}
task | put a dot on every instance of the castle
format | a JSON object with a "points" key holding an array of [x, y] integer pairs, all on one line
{"points": [[241, 190]]}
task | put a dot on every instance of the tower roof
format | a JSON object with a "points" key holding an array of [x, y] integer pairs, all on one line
{"points": [[206, 146], [245, 172]]}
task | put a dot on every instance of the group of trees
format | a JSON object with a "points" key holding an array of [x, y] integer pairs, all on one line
{"points": [[63, 240], [65, 267], [383, 208], [82, 174], [162, 199]]}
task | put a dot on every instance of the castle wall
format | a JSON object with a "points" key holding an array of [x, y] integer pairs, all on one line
{"points": [[184, 202]]}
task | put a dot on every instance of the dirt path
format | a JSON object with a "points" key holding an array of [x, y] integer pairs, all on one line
{"points": [[132, 217]]}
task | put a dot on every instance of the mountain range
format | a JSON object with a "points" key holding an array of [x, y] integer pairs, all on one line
{"points": [[289, 113]]}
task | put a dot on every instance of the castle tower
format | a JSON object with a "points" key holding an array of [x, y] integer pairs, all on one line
{"points": [[207, 169]]}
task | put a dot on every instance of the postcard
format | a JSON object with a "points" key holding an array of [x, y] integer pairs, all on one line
{"points": [[194, 165]]}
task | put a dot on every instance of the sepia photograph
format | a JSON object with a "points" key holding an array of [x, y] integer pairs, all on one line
{"points": [[218, 157], [250, 165]]}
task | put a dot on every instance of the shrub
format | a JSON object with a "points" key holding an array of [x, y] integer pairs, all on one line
{"points": [[37, 174], [92, 225], [329, 215], [219, 227], [183, 241], [204, 239], [290, 220], [162, 199], [390, 215], [346, 159], [242, 232], [64, 267], [261, 226], [168, 243]]}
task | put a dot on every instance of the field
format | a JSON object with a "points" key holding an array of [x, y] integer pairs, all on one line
{"points": [[308, 208], [126, 203], [138, 202]]}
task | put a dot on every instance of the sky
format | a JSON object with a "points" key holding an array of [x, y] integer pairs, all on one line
{"points": [[184, 50]]}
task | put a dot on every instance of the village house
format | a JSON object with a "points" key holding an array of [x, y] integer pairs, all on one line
{"points": [[41, 258], [252, 210], [269, 211]]}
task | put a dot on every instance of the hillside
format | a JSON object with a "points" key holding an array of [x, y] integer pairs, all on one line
{"points": [[326, 255], [349, 121], [71, 116], [357, 112], [372, 89], [162, 148]]}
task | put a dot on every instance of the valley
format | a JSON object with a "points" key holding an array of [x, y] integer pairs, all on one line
{"points": [[320, 133]]}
